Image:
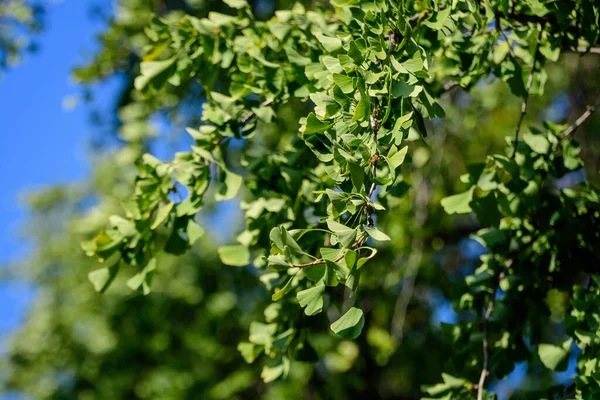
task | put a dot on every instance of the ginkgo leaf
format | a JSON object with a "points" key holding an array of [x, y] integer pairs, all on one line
{"points": [[349, 325], [458, 203]]}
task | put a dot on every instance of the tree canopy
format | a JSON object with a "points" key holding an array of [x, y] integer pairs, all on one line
{"points": [[18, 20], [392, 161]]}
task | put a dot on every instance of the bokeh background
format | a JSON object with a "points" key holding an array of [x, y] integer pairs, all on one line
{"points": [[72, 127], [47, 130]]}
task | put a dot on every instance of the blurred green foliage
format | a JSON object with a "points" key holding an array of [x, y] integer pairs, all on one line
{"points": [[181, 341], [18, 20]]}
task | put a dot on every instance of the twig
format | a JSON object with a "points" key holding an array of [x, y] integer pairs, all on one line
{"points": [[448, 86], [415, 17], [320, 261], [393, 42], [526, 95], [374, 161], [589, 111], [501, 31], [251, 114], [488, 313]]}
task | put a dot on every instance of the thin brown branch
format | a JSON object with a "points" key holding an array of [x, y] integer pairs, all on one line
{"points": [[448, 86], [500, 30], [251, 114], [486, 352], [589, 111], [526, 95], [393, 42], [416, 17], [374, 160]]}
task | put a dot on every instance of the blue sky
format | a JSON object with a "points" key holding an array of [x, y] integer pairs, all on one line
{"points": [[43, 144]]}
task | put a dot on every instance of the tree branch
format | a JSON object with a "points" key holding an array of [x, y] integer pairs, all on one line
{"points": [[500, 30], [589, 111], [486, 352], [526, 95], [320, 261], [251, 114], [374, 161]]}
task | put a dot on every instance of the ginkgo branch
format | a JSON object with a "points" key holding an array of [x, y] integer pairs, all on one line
{"points": [[589, 111], [526, 94], [320, 261]]}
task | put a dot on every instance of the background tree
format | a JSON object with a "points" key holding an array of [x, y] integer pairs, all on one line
{"points": [[254, 84], [18, 19]]}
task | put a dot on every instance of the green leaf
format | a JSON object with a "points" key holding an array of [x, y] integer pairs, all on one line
{"points": [[356, 51], [162, 214], [450, 382], [554, 357], [350, 325], [397, 159], [458, 203], [438, 19], [361, 261], [361, 111], [278, 263], [194, 231], [537, 143], [315, 125], [250, 351], [346, 236], [154, 73], [283, 291], [331, 44], [102, 278], [265, 114], [331, 278], [376, 234], [142, 280], [280, 30], [276, 370], [403, 89], [357, 175], [235, 255], [230, 186], [345, 83], [316, 273], [311, 299], [236, 3], [261, 333], [332, 64], [282, 239], [350, 258], [220, 19], [486, 210]]}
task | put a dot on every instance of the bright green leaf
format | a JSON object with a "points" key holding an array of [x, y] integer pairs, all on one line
{"points": [[235, 255], [350, 325]]}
